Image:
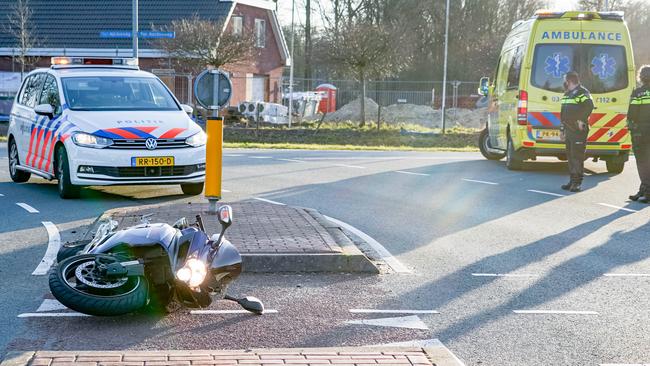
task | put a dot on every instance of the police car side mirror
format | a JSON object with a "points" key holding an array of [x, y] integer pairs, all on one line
{"points": [[484, 86], [187, 108], [44, 110]]}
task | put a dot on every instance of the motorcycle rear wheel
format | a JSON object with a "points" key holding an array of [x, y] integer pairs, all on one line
{"points": [[77, 284]]}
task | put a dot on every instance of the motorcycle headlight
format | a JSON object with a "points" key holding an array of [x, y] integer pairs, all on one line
{"points": [[88, 140], [196, 140], [193, 272]]}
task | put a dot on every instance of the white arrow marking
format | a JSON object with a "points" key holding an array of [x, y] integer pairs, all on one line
{"points": [[51, 305], [618, 208], [379, 311], [410, 322], [53, 245]]}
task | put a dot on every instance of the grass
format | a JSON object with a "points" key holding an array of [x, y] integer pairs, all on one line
{"points": [[348, 136]]}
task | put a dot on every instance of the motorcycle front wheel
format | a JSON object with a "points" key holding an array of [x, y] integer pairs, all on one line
{"points": [[78, 284]]}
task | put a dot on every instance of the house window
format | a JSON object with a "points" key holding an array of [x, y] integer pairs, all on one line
{"points": [[260, 33], [237, 26]]}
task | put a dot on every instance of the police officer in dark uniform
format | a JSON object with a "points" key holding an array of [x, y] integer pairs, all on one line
{"points": [[638, 119], [577, 106]]}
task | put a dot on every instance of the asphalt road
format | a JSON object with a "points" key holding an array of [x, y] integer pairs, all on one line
{"points": [[486, 246]]}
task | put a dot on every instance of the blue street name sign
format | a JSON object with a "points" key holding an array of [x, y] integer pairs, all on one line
{"points": [[141, 34]]}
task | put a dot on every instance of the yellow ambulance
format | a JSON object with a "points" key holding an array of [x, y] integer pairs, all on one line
{"points": [[525, 92]]}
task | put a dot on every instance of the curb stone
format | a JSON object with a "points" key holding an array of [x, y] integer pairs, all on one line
{"points": [[346, 258], [402, 356]]}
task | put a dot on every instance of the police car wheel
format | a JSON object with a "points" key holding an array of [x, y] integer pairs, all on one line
{"points": [[486, 149], [17, 176], [513, 161], [66, 188], [192, 189]]}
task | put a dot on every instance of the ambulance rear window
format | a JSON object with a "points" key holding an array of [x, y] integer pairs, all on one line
{"points": [[602, 68]]}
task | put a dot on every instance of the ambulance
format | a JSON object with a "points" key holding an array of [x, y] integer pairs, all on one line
{"points": [[90, 122], [527, 87]]}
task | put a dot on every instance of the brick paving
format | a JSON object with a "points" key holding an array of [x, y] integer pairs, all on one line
{"points": [[258, 227], [329, 357]]}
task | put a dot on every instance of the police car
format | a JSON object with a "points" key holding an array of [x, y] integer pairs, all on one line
{"points": [[91, 122]]}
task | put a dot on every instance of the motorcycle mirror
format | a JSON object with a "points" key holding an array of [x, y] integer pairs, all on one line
{"points": [[225, 216], [252, 304]]}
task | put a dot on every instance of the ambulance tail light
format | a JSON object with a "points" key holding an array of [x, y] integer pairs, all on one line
{"points": [[522, 108]]}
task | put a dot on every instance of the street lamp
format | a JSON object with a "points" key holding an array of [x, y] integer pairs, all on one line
{"points": [[293, 38], [444, 72]]}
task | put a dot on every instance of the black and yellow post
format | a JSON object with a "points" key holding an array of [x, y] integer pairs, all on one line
{"points": [[213, 161]]}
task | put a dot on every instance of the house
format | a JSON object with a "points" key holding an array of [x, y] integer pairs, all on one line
{"points": [[101, 28]]}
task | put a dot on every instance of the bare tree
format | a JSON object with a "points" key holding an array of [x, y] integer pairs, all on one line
{"points": [[366, 50], [200, 43], [599, 5], [19, 26]]}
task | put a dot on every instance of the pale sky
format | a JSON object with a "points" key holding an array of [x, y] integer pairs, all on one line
{"points": [[284, 9]]}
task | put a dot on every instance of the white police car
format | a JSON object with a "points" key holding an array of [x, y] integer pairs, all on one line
{"points": [[103, 122]]}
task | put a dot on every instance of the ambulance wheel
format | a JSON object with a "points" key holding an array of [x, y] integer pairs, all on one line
{"points": [[485, 147], [192, 189], [513, 160], [17, 176], [66, 188], [616, 164]]}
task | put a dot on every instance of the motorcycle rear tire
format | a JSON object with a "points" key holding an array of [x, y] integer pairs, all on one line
{"points": [[92, 304]]}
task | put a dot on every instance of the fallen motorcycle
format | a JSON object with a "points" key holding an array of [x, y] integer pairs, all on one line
{"points": [[156, 265]]}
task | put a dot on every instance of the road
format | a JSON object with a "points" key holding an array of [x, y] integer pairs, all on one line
{"points": [[520, 272]]}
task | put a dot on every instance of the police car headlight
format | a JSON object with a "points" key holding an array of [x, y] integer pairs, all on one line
{"points": [[88, 140], [197, 140]]}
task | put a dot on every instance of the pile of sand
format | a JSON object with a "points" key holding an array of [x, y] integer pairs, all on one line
{"points": [[352, 112]]}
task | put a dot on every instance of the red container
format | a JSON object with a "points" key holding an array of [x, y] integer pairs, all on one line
{"points": [[328, 103]]}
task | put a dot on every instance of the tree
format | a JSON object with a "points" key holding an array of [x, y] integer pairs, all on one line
{"points": [[367, 50], [200, 43], [599, 5], [19, 26]]}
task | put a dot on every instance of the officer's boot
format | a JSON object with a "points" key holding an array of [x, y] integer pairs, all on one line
{"points": [[646, 196], [576, 184], [567, 187], [639, 194]]}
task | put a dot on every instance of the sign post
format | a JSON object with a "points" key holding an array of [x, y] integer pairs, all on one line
{"points": [[213, 90]]}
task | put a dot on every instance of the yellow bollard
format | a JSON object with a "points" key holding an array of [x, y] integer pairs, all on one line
{"points": [[213, 161]]}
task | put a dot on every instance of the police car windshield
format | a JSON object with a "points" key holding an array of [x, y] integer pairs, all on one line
{"points": [[117, 93], [602, 68]]}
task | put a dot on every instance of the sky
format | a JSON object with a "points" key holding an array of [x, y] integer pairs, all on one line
{"points": [[284, 9]]}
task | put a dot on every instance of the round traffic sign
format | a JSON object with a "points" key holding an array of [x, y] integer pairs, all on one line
{"points": [[213, 89]]}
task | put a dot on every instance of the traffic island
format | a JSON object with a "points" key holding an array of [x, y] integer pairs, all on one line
{"points": [[271, 238], [385, 356]]}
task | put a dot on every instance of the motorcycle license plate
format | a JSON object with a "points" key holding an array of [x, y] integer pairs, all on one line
{"points": [[153, 161], [549, 135]]}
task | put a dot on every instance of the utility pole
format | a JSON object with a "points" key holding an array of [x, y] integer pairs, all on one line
{"points": [[134, 30], [444, 72], [293, 38]]}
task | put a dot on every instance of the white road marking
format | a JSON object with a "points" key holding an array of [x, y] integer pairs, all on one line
{"points": [[480, 181], [409, 322], [350, 166], [53, 245], [2, 195], [51, 305], [379, 311], [27, 207], [226, 191], [383, 253], [503, 275], [627, 275], [51, 315], [269, 201], [291, 160], [232, 155], [261, 157], [617, 207], [565, 312], [411, 173], [221, 312], [423, 343], [546, 193]]}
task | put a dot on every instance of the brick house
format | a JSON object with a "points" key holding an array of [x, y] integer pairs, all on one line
{"points": [[88, 28]]}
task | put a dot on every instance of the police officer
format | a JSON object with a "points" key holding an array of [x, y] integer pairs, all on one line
{"points": [[638, 119], [577, 106]]}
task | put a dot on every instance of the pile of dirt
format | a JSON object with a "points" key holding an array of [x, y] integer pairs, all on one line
{"points": [[352, 111], [410, 113]]}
